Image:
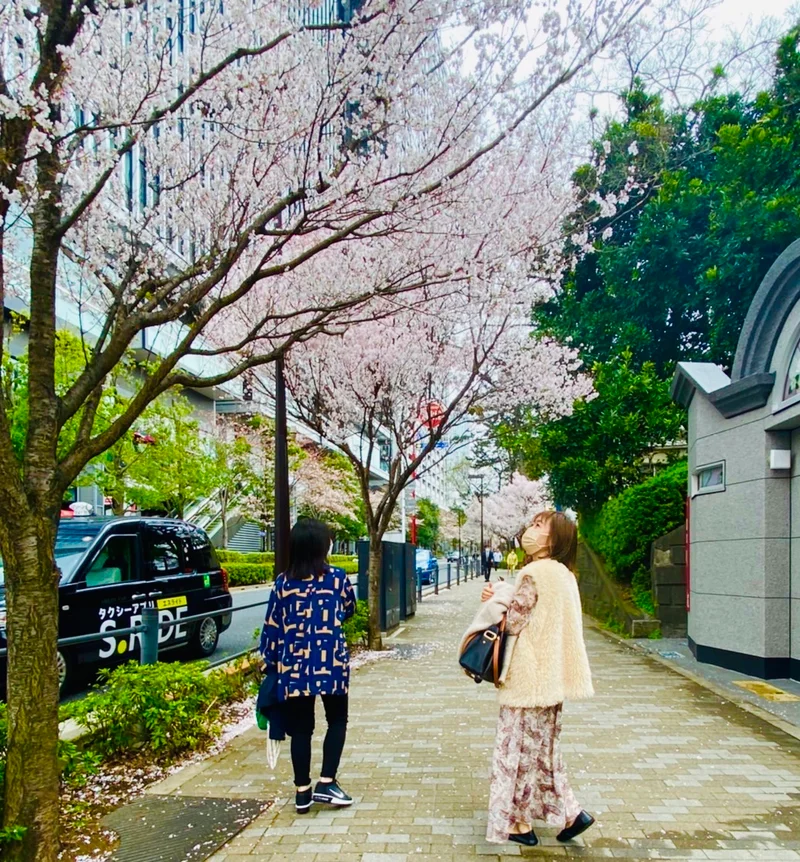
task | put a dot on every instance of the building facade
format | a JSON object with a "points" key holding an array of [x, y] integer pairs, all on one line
{"points": [[743, 583]]}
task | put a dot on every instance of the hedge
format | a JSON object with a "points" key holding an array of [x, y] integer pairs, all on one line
{"points": [[228, 556], [628, 524], [247, 574]]}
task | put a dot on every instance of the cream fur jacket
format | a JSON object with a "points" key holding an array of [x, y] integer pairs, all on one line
{"points": [[549, 663]]}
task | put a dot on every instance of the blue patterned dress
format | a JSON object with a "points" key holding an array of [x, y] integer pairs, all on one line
{"points": [[303, 637]]}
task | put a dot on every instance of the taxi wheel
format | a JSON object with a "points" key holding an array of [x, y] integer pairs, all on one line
{"points": [[206, 637], [64, 675]]}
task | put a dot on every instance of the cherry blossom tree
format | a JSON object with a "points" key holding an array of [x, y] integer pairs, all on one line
{"points": [[321, 488], [512, 508], [413, 380], [166, 177]]}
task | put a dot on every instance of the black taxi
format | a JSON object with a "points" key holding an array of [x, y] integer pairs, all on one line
{"points": [[113, 568]]}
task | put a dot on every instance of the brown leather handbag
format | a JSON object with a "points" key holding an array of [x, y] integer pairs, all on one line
{"points": [[482, 657]]}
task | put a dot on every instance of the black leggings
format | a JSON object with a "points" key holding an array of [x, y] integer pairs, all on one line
{"points": [[298, 717]]}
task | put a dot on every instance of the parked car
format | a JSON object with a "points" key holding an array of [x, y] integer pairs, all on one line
{"points": [[427, 567], [112, 568], [453, 556]]}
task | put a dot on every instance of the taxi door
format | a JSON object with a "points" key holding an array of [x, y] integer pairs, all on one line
{"points": [[108, 593], [175, 586]]}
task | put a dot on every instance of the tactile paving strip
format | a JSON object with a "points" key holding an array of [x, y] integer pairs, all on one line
{"points": [[178, 829]]}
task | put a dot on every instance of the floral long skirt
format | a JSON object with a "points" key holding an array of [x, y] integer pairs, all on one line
{"points": [[529, 781]]}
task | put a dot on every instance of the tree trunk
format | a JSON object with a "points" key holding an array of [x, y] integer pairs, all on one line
{"points": [[32, 769], [375, 564]]}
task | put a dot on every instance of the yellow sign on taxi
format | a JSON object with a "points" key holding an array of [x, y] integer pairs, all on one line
{"points": [[171, 602]]}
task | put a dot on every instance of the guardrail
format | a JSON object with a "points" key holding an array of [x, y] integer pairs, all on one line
{"points": [[150, 625], [148, 629], [471, 570]]}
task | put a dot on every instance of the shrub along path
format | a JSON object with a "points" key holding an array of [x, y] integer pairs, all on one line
{"points": [[671, 770]]}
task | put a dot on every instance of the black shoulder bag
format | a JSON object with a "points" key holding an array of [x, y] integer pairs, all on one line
{"points": [[482, 658]]}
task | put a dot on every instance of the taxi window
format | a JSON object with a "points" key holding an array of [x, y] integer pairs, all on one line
{"points": [[163, 553], [202, 557], [115, 564]]}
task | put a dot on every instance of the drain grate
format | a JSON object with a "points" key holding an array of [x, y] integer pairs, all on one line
{"points": [[178, 828]]}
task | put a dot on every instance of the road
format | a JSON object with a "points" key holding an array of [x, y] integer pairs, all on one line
{"points": [[242, 633]]}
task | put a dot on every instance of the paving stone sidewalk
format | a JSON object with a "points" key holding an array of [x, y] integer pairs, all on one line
{"points": [[670, 770]]}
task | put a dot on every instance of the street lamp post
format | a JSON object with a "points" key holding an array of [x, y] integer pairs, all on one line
{"points": [[282, 526], [480, 477]]}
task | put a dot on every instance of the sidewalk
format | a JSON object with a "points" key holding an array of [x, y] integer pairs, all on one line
{"points": [[670, 769]]}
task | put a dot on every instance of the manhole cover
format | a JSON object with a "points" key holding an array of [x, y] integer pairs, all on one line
{"points": [[178, 828]]}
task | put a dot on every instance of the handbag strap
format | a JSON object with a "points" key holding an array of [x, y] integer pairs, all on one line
{"points": [[501, 633]]}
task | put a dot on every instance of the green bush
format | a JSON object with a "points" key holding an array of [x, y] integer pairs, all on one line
{"points": [[247, 574], [227, 556], [626, 526], [356, 628], [163, 708]]}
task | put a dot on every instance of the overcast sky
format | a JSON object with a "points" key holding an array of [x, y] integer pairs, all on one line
{"points": [[734, 12]]}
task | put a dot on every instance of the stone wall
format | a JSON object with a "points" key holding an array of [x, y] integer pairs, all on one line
{"points": [[602, 598], [668, 568]]}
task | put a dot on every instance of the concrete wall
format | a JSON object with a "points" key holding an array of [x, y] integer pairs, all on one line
{"points": [[668, 570], [740, 543]]}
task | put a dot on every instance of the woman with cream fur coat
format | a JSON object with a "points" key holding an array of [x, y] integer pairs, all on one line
{"points": [[548, 665]]}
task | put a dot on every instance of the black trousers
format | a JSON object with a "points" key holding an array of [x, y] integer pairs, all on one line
{"points": [[298, 718], [487, 572]]}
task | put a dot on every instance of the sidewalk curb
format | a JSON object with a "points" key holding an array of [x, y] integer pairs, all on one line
{"points": [[720, 691]]}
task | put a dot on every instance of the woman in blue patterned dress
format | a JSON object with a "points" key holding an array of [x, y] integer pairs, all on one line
{"points": [[304, 640]]}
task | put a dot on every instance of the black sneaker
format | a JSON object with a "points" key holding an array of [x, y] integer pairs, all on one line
{"points": [[303, 800], [330, 793]]}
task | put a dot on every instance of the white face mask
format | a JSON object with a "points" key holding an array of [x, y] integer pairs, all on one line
{"points": [[535, 541]]}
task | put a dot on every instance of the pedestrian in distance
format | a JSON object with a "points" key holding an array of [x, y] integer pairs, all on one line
{"points": [[548, 665], [487, 559], [303, 638]]}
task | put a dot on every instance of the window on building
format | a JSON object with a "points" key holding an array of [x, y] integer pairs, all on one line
{"points": [[709, 478], [128, 158], [143, 178], [792, 386]]}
